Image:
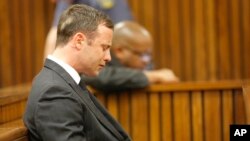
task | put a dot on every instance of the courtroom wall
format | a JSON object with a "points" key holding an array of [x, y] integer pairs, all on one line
{"points": [[199, 40]]}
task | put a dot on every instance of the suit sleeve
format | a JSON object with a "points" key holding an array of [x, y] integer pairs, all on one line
{"points": [[117, 79], [58, 117]]}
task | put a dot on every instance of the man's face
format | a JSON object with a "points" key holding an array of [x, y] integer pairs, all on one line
{"points": [[97, 51], [137, 55]]}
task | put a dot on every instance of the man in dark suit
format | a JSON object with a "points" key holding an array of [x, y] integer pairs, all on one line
{"points": [[59, 107]]}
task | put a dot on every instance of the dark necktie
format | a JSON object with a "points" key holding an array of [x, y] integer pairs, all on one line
{"points": [[98, 108]]}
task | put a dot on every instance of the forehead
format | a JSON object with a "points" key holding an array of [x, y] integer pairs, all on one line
{"points": [[142, 43], [104, 34]]}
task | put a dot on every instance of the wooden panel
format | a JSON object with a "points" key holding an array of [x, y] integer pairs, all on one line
{"points": [[148, 15], [199, 48], [38, 27], [190, 111], [13, 131], [101, 97], [24, 29], [162, 38], [26, 44], [112, 105], [175, 39], [13, 134], [227, 109], [239, 108], [154, 110], [167, 118], [197, 115], [187, 54], [13, 102], [6, 73], [199, 40], [17, 43], [182, 125], [245, 33], [139, 117], [12, 111], [246, 94], [235, 39], [125, 111], [211, 41], [212, 116]]}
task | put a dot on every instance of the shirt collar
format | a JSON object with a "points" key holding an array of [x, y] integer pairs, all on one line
{"points": [[72, 72]]}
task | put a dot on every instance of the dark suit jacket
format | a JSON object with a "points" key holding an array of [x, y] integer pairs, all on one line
{"points": [[60, 110]]}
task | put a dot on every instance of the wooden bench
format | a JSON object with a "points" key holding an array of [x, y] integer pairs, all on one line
{"points": [[13, 131], [186, 111], [12, 104]]}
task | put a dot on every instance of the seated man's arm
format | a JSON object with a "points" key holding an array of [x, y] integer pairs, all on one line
{"points": [[120, 78], [117, 79]]}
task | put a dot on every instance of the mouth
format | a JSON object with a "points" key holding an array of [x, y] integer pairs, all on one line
{"points": [[102, 66]]}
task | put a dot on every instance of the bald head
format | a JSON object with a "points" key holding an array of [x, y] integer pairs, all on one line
{"points": [[131, 34], [131, 41]]}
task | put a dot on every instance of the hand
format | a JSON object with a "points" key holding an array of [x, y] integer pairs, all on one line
{"points": [[161, 76]]}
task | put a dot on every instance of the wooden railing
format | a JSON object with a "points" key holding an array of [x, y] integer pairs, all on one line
{"points": [[12, 102], [13, 131], [185, 111], [246, 95], [12, 105], [188, 111]]}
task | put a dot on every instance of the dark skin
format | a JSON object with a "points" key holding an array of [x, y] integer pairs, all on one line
{"points": [[131, 41]]}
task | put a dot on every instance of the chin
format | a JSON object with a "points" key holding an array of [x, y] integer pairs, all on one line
{"points": [[96, 73], [92, 74]]}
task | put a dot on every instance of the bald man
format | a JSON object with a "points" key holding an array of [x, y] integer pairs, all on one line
{"points": [[131, 55]]}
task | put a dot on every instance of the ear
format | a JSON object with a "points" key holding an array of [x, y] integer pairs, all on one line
{"points": [[78, 39]]}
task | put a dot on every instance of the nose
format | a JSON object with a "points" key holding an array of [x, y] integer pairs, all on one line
{"points": [[107, 56]]}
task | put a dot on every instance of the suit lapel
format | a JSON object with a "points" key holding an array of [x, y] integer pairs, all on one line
{"points": [[83, 93], [84, 97]]}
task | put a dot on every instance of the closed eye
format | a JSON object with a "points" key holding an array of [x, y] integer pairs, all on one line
{"points": [[105, 47]]}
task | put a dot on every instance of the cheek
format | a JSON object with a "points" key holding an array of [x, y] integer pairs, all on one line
{"points": [[138, 63], [128, 57], [96, 55]]}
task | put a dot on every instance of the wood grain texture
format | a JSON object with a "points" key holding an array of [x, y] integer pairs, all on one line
{"points": [[198, 40]]}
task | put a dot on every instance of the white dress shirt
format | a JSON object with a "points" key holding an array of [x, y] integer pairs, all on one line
{"points": [[72, 72]]}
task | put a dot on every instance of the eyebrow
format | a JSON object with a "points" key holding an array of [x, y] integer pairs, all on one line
{"points": [[106, 46]]}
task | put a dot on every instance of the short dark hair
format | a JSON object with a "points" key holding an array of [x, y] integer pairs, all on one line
{"points": [[80, 18]]}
